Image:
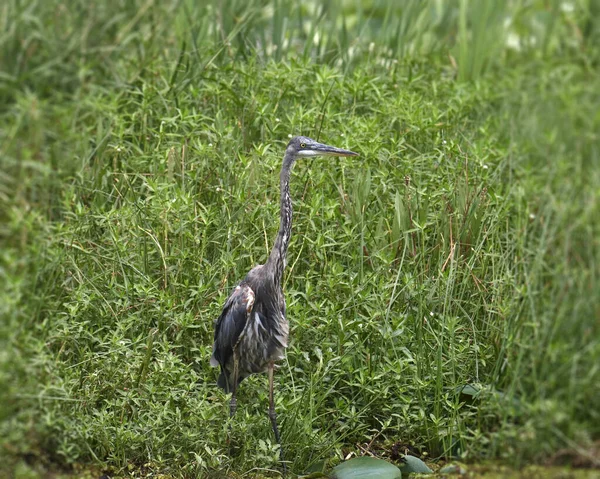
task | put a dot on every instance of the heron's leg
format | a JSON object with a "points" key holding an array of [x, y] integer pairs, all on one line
{"points": [[273, 415]]}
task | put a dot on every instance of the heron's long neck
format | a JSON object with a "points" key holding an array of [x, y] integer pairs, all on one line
{"points": [[277, 258]]}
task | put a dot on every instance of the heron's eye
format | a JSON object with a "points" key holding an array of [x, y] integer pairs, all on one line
{"points": [[302, 145]]}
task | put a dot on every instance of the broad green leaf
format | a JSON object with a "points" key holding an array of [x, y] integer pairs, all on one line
{"points": [[414, 464], [366, 468]]}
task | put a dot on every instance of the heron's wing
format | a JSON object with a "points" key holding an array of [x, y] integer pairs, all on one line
{"points": [[231, 323]]}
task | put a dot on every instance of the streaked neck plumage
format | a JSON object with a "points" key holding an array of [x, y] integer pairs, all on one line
{"points": [[277, 259]]}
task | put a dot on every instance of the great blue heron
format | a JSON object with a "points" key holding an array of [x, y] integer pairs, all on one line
{"points": [[252, 331]]}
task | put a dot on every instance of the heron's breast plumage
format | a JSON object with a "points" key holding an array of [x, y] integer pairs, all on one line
{"points": [[264, 339]]}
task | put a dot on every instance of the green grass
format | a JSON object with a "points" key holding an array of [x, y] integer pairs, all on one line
{"points": [[140, 146]]}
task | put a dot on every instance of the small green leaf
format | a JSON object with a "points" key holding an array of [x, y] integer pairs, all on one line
{"points": [[366, 468], [318, 466], [414, 464], [470, 390]]}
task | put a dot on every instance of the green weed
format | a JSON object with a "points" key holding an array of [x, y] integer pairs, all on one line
{"points": [[140, 147]]}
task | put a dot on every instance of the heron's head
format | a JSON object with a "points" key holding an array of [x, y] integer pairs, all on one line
{"points": [[302, 147]]}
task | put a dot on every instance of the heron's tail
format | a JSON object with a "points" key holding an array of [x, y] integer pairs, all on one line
{"points": [[224, 382]]}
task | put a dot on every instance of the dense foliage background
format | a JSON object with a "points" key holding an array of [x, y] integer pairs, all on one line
{"points": [[442, 289]]}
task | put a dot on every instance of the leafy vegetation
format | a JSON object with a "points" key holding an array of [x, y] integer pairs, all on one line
{"points": [[140, 148]]}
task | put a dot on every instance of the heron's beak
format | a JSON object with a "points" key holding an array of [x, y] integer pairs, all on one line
{"points": [[332, 151]]}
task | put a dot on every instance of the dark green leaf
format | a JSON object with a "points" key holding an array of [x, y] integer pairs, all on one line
{"points": [[414, 464]]}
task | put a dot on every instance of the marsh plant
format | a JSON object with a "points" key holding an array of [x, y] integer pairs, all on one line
{"points": [[442, 292]]}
